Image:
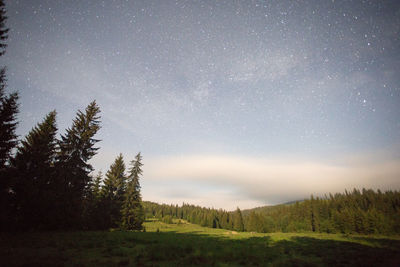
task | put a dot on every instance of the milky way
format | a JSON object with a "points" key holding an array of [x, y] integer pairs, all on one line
{"points": [[306, 79]]}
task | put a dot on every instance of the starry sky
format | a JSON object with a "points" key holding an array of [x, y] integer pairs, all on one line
{"points": [[231, 103]]}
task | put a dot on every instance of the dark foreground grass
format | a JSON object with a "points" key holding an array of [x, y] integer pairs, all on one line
{"points": [[186, 245]]}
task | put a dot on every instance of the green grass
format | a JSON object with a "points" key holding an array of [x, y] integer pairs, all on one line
{"points": [[187, 244]]}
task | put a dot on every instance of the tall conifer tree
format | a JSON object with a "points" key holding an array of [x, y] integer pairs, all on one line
{"points": [[113, 192], [238, 224], [93, 213], [8, 124], [34, 165], [3, 28], [132, 210], [95, 187], [8, 104], [76, 148]]}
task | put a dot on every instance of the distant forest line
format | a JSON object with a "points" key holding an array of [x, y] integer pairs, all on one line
{"points": [[360, 212]]}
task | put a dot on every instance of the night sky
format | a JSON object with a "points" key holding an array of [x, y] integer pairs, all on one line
{"points": [[232, 103]]}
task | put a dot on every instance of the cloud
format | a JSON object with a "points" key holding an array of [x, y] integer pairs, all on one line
{"points": [[263, 180], [221, 198]]}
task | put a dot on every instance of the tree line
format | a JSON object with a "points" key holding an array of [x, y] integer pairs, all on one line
{"points": [[46, 182], [195, 214], [359, 211], [117, 203]]}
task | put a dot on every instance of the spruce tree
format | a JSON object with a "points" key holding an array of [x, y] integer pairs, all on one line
{"points": [[8, 138], [95, 187], [8, 103], [93, 213], [8, 123], [76, 148], [132, 210], [3, 28], [113, 193], [253, 223], [238, 221], [34, 173]]}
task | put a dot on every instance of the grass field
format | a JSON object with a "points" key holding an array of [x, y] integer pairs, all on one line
{"points": [[187, 244]]}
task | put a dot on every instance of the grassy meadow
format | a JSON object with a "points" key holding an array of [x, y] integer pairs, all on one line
{"points": [[184, 244]]}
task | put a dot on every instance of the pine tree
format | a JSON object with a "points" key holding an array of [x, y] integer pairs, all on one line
{"points": [[3, 28], [96, 185], [8, 123], [92, 205], [314, 215], [238, 221], [8, 138], [132, 211], [34, 168], [8, 104], [225, 220], [113, 192], [254, 223], [76, 148]]}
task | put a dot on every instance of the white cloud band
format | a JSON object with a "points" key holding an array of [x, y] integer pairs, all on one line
{"points": [[267, 181]]}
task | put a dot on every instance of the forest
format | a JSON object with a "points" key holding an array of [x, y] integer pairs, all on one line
{"points": [[355, 212], [46, 182]]}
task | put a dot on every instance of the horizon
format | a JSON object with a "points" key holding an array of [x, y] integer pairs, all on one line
{"points": [[232, 104], [231, 210], [325, 196]]}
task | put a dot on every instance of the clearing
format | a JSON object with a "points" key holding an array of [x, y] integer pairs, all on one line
{"points": [[187, 244]]}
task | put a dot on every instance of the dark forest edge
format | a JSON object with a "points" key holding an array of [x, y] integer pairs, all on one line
{"points": [[45, 182]]}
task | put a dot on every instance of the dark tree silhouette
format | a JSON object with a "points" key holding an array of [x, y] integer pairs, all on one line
{"points": [[34, 183], [113, 193], [132, 209], [3, 28], [8, 138], [76, 148], [8, 123], [93, 212], [8, 103]]}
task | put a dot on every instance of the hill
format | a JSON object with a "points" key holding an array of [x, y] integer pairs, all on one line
{"points": [[267, 208], [362, 212]]}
